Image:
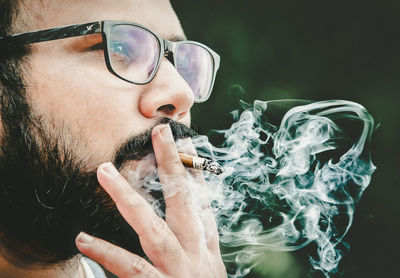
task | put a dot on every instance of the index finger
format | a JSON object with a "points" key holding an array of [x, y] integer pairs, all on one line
{"points": [[202, 198], [176, 183]]}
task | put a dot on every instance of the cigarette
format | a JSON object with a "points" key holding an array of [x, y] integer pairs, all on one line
{"points": [[201, 163]]}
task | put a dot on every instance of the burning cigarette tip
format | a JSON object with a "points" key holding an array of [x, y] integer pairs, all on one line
{"points": [[201, 163]]}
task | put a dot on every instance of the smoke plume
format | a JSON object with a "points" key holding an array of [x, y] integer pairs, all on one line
{"points": [[294, 171]]}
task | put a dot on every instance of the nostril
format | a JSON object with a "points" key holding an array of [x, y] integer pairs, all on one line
{"points": [[167, 109]]}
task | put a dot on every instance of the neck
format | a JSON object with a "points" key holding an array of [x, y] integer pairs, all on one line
{"points": [[69, 269]]}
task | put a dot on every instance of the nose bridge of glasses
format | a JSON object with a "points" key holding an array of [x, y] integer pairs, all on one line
{"points": [[169, 50]]}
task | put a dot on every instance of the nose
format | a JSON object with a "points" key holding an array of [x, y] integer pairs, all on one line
{"points": [[167, 95]]}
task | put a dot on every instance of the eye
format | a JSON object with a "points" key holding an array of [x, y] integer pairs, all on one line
{"points": [[123, 52]]}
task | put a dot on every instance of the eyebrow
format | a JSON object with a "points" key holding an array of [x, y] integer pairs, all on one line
{"points": [[176, 38]]}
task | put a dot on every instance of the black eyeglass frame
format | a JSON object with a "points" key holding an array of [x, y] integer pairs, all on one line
{"points": [[104, 27]]}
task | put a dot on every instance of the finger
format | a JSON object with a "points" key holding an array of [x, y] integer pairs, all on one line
{"points": [[202, 197], [117, 260], [210, 228], [176, 184], [157, 240]]}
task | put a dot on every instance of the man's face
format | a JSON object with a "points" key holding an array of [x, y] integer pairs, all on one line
{"points": [[83, 116], [70, 88]]}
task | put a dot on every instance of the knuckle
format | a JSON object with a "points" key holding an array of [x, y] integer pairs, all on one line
{"points": [[169, 244], [166, 247], [133, 201], [137, 267], [175, 167], [176, 163], [159, 226], [110, 249], [108, 263], [163, 240]]}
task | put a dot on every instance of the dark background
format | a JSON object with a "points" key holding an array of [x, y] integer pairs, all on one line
{"points": [[314, 50]]}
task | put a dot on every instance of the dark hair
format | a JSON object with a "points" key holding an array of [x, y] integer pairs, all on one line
{"points": [[8, 14], [13, 104], [8, 10]]}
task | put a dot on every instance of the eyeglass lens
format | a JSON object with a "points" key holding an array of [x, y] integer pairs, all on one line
{"points": [[194, 63], [134, 53]]}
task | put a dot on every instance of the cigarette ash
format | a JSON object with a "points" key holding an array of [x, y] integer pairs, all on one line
{"points": [[292, 177], [204, 164], [213, 167]]}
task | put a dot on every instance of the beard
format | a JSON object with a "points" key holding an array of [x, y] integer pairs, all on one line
{"points": [[47, 195]]}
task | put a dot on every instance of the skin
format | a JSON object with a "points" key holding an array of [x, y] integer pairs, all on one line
{"points": [[177, 247], [72, 91], [95, 104]]}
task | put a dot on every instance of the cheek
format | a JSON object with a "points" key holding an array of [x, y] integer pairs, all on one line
{"points": [[96, 107]]}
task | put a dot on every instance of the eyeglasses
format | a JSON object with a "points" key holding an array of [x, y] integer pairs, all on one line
{"points": [[134, 53]]}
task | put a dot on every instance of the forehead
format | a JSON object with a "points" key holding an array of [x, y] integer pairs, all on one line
{"points": [[157, 15]]}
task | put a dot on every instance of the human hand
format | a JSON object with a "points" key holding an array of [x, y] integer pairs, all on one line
{"points": [[184, 245]]}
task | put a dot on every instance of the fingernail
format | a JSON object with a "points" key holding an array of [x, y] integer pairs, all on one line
{"points": [[84, 238], [109, 169], [160, 130], [166, 133]]}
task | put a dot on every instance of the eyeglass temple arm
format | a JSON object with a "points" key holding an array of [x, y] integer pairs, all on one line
{"points": [[52, 34]]}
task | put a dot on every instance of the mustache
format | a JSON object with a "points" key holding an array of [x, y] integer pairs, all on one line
{"points": [[137, 147]]}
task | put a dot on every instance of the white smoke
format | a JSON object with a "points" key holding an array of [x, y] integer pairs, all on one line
{"points": [[284, 185], [276, 194]]}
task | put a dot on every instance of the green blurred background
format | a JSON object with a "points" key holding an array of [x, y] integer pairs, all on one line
{"points": [[313, 50]]}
